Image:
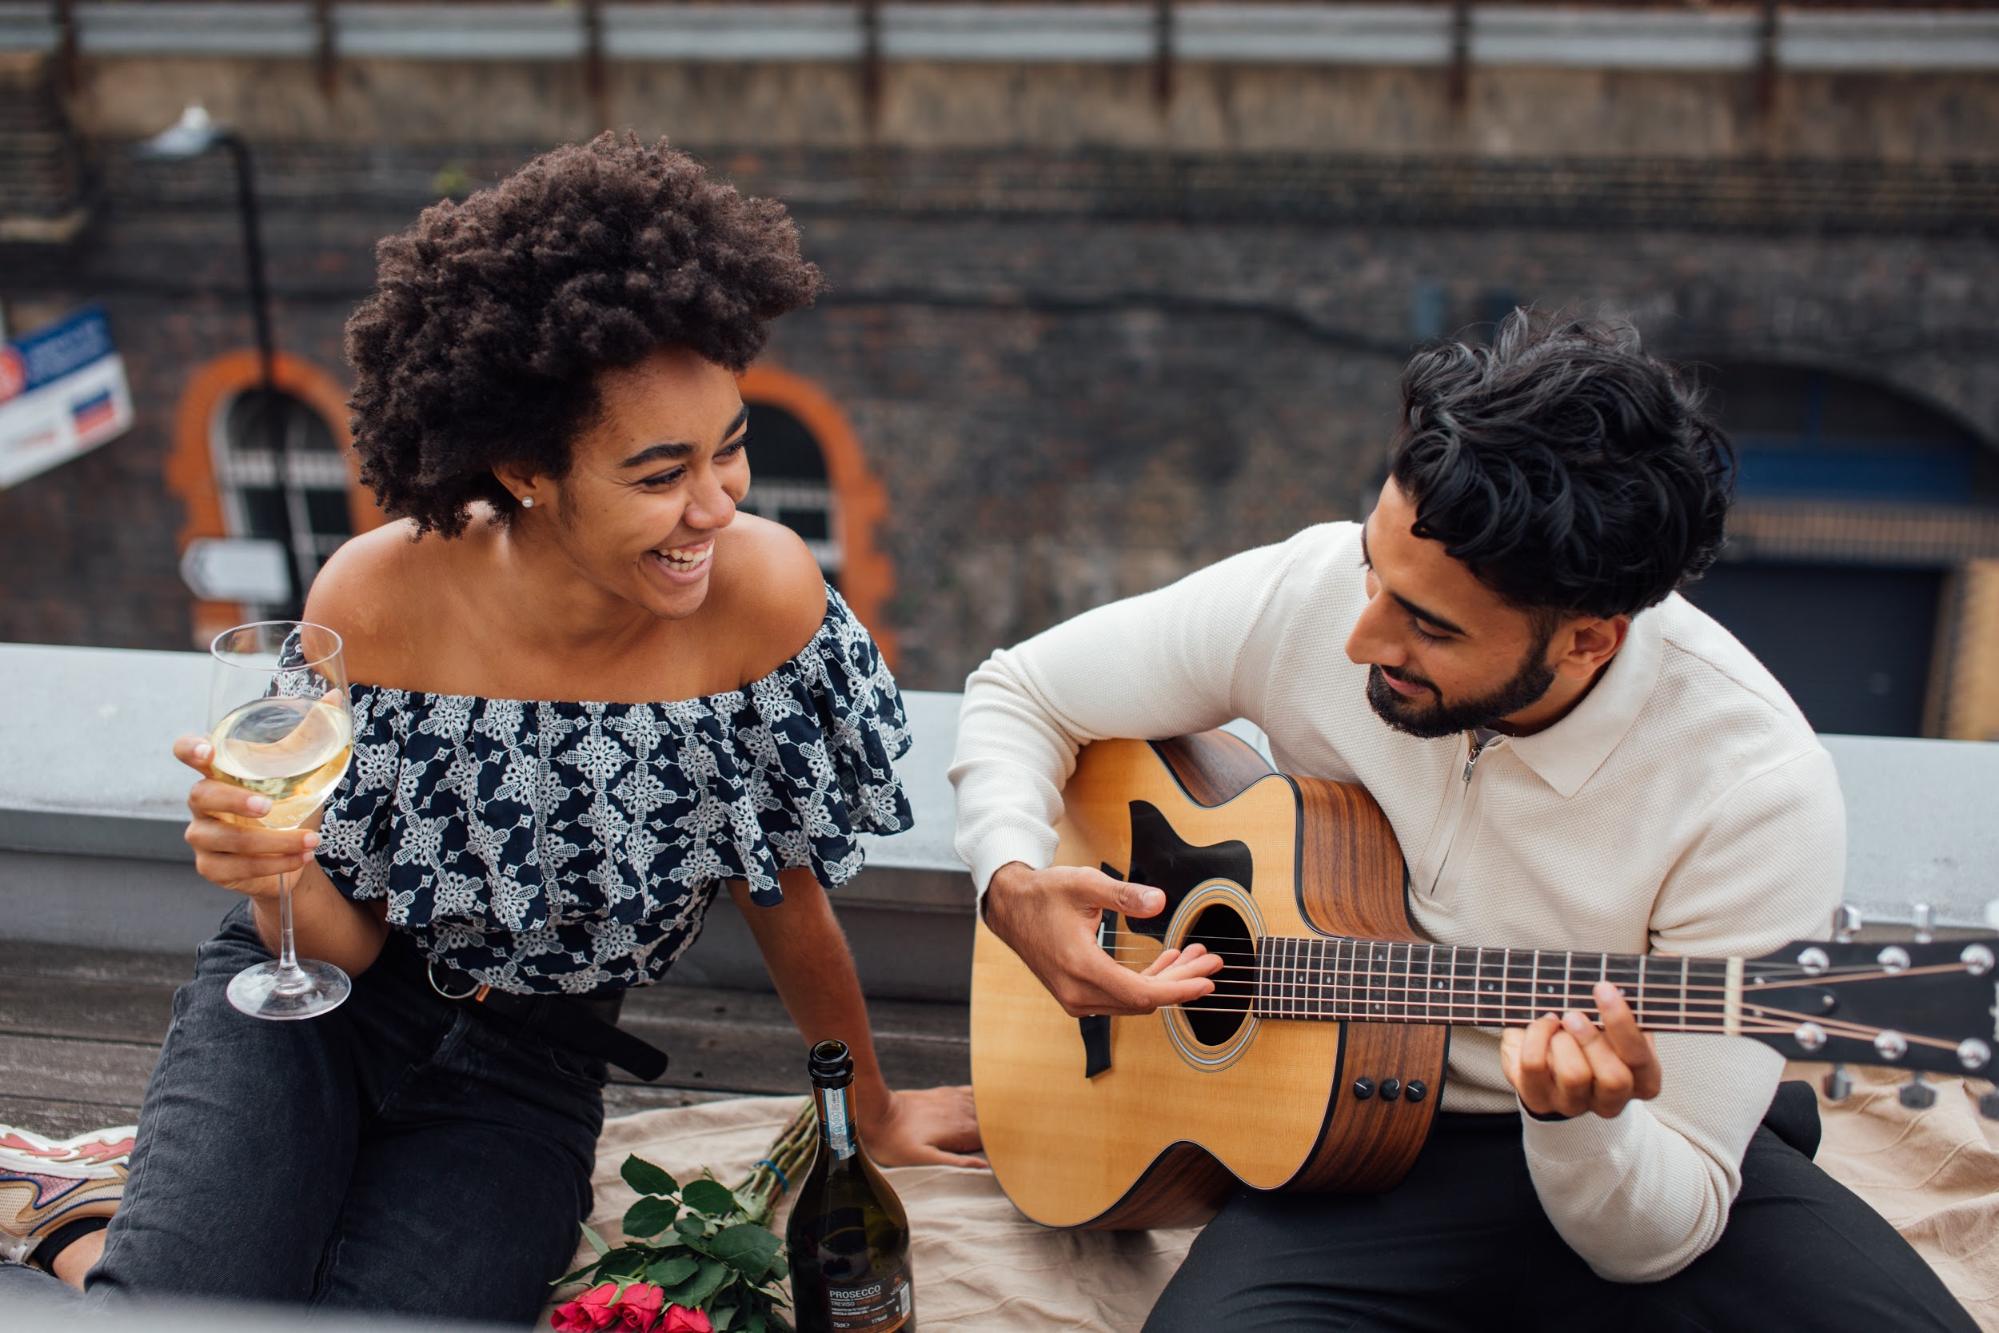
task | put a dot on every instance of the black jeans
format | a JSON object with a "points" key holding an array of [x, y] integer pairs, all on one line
{"points": [[1463, 1243], [398, 1154]]}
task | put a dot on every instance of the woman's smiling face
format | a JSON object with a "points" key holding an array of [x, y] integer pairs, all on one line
{"points": [[653, 479]]}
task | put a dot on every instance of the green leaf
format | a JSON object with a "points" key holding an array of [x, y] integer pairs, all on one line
{"points": [[650, 1216], [756, 1324], [709, 1196], [747, 1248], [705, 1284], [595, 1241], [672, 1272], [646, 1178], [578, 1275], [691, 1228], [721, 1317], [621, 1264]]}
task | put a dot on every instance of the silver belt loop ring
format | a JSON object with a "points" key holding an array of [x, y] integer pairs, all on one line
{"points": [[430, 974]]}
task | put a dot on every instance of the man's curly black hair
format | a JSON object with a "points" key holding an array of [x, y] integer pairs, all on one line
{"points": [[491, 317], [1571, 471]]}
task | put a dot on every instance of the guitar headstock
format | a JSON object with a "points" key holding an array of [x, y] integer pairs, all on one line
{"points": [[1919, 1003]]}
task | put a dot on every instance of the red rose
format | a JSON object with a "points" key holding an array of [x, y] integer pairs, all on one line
{"points": [[680, 1319], [587, 1313], [639, 1309]]}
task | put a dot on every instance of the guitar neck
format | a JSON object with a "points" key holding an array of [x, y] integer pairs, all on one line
{"points": [[1383, 981]]}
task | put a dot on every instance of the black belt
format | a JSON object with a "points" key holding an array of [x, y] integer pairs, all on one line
{"points": [[589, 1026]]}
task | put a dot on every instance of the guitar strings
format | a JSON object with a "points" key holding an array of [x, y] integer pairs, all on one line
{"points": [[1367, 979], [1510, 971], [1751, 967], [1759, 1019], [1760, 1027]]}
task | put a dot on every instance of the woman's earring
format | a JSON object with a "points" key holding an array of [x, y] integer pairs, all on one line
{"points": [[527, 502]]}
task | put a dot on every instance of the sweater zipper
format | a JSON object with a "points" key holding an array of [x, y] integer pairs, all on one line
{"points": [[1471, 760], [1464, 806]]}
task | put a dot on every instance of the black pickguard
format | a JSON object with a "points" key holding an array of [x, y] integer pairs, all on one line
{"points": [[1161, 858]]}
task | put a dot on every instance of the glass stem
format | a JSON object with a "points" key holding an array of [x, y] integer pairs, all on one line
{"points": [[291, 976]]}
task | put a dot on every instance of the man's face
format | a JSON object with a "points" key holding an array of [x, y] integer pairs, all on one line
{"points": [[1445, 653]]}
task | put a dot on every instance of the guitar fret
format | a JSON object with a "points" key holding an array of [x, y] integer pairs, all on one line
{"points": [[1431, 987], [1638, 1005], [1322, 987], [1454, 982], [1290, 976]]}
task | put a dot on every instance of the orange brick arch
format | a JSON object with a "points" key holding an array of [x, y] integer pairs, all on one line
{"points": [[190, 469], [866, 577]]}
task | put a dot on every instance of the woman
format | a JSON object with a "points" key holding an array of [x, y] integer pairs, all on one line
{"points": [[546, 399]]}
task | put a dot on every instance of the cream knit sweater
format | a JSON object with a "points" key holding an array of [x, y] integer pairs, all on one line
{"points": [[1684, 806]]}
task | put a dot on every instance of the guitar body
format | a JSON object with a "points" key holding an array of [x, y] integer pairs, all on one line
{"points": [[1194, 1100]]}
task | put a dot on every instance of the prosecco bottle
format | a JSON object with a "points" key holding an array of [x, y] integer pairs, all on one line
{"points": [[848, 1235]]}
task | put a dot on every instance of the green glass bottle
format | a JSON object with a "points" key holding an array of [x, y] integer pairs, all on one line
{"points": [[848, 1235]]}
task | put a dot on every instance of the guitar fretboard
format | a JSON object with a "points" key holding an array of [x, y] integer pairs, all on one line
{"points": [[1392, 982]]}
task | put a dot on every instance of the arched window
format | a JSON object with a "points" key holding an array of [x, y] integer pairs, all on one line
{"points": [[790, 485], [1860, 513], [1805, 432], [225, 468], [808, 472], [281, 477]]}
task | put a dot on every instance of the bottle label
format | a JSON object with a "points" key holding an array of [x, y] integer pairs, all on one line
{"points": [[839, 1129], [880, 1305]]}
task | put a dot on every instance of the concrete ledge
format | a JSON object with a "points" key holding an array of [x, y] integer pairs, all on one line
{"points": [[91, 812]]}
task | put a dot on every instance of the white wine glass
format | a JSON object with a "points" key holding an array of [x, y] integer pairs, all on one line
{"points": [[280, 725]]}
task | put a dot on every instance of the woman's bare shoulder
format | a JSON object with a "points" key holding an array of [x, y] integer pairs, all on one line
{"points": [[769, 593], [378, 591]]}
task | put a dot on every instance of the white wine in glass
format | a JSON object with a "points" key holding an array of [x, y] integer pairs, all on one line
{"points": [[282, 728]]}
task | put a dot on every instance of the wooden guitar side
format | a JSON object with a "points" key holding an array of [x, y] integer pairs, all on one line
{"points": [[1156, 1140]]}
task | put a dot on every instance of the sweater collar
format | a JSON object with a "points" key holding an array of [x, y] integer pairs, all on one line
{"points": [[1568, 753]]}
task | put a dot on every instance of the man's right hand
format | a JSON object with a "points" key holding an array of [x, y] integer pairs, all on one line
{"points": [[1049, 917]]}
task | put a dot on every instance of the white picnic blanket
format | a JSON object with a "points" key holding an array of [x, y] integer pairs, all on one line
{"points": [[980, 1265]]}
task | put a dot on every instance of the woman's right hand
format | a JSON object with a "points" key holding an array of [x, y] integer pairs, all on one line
{"points": [[230, 847]]}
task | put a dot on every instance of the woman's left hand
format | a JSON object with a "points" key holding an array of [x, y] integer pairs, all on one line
{"points": [[925, 1127]]}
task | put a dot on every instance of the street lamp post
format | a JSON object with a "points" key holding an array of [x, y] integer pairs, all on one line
{"points": [[189, 137]]}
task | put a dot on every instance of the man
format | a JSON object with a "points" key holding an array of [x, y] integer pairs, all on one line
{"points": [[1572, 757]]}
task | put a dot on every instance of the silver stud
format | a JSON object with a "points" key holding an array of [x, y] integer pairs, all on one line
{"points": [[1977, 959], [1893, 959], [1814, 961], [1809, 1036], [527, 502], [1891, 1045], [1973, 1054]]}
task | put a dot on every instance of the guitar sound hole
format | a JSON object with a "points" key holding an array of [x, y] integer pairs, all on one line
{"points": [[1217, 1017]]}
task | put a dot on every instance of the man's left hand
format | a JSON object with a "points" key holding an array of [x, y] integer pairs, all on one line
{"points": [[1568, 1065], [924, 1127]]}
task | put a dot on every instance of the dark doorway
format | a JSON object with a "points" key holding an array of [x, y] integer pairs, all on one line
{"points": [[1852, 644]]}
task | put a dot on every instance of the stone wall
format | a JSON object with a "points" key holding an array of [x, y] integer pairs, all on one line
{"points": [[1086, 343]]}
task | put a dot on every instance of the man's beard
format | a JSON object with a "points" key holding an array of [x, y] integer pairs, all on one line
{"points": [[1432, 717]]}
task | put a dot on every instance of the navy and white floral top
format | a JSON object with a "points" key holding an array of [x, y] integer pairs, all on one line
{"points": [[574, 847]]}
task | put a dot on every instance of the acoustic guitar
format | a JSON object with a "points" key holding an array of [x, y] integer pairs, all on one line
{"points": [[1317, 1062]]}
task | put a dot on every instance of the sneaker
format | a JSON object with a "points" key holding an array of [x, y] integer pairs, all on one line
{"points": [[49, 1183]]}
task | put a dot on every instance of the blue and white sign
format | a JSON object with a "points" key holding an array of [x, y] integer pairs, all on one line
{"points": [[62, 393]]}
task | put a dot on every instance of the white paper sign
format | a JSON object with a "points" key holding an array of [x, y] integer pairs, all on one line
{"points": [[62, 393], [236, 569]]}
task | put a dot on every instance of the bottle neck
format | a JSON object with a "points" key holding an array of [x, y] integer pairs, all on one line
{"points": [[836, 1120]]}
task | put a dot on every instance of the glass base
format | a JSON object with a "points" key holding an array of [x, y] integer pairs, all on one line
{"points": [[270, 991]]}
